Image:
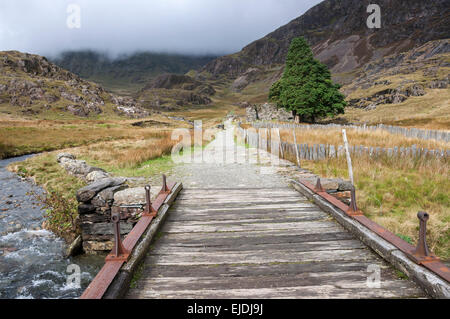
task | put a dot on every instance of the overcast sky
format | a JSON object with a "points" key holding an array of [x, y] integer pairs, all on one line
{"points": [[126, 26]]}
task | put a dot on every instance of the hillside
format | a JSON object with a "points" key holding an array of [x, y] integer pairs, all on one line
{"points": [[410, 88], [32, 86], [337, 31], [397, 74], [129, 73], [171, 91]]}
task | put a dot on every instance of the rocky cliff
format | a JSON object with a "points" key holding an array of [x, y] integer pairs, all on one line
{"points": [[169, 91], [337, 31]]}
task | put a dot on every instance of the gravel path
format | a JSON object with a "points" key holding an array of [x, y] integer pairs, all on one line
{"points": [[227, 164]]}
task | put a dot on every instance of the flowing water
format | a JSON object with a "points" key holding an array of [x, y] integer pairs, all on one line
{"points": [[32, 262]]}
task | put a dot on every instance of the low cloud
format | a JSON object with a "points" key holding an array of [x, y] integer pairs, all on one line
{"points": [[123, 27]]}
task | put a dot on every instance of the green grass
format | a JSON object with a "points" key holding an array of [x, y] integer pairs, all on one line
{"points": [[146, 169]]}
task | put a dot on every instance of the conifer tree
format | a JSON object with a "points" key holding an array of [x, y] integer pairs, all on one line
{"points": [[306, 88]]}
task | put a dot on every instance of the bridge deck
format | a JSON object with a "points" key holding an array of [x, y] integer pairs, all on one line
{"points": [[259, 243]]}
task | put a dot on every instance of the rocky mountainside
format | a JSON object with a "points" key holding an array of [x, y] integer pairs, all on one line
{"points": [[337, 31], [395, 78], [131, 71], [169, 90], [31, 85]]}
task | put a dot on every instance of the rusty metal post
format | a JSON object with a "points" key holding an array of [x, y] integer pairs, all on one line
{"points": [[422, 247], [149, 210], [119, 253], [164, 188], [319, 188], [353, 209], [421, 254], [148, 203]]}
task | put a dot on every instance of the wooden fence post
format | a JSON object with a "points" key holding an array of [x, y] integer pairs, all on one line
{"points": [[279, 143], [296, 149], [349, 159]]}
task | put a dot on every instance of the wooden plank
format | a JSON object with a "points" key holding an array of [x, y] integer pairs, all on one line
{"points": [[206, 237], [214, 205], [181, 227], [290, 193], [250, 199], [342, 279], [391, 290], [267, 248], [244, 210], [237, 208], [255, 257], [268, 220], [224, 241], [240, 270], [266, 215]]}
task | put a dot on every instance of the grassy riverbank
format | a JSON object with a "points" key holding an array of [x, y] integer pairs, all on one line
{"points": [[144, 154]]}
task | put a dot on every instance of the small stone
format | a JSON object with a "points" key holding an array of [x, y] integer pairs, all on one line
{"points": [[61, 156], [106, 196], [96, 175], [74, 248], [330, 184], [133, 196], [85, 194], [85, 209], [94, 247], [345, 186]]}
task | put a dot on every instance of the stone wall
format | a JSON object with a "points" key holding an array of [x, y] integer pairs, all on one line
{"points": [[96, 201], [267, 112]]}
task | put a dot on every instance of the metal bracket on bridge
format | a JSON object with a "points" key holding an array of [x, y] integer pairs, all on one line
{"points": [[149, 210], [119, 253], [421, 254], [165, 189], [353, 209], [319, 188]]}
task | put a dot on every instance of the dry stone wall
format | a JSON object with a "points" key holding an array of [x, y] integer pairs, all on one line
{"points": [[96, 201]]}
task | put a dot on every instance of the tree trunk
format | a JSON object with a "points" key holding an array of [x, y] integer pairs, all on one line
{"points": [[296, 117]]}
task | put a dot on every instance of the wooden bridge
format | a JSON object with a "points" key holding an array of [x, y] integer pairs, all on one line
{"points": [[259, 243], [249, 235]]}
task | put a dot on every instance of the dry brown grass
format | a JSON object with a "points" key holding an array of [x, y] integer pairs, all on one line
{"points": [[392, 191], [431, 111], [18, 137], [377, 138], [128, 153]]}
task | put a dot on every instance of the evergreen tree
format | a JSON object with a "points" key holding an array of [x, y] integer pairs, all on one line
{"points": [[306, 88]]}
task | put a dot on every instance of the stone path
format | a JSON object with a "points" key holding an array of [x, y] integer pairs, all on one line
{"points": [[240, 231]]}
